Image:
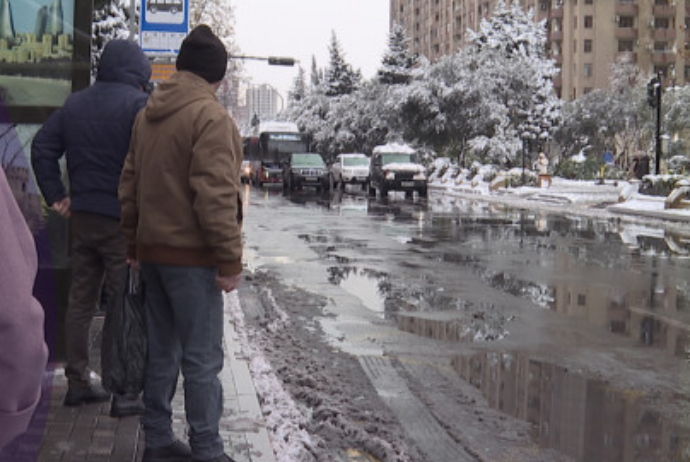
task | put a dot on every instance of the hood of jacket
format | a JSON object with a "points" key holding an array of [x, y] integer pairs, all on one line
{"points": [[180, 90], [123, 61]]}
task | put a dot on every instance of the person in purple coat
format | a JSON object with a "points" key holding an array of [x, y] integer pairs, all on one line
{"points": [[23, 352]]}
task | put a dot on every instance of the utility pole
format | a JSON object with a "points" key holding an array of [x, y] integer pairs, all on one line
{"points": [[654, 91]]}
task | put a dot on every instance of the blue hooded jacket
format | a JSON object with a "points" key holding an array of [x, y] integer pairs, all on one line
{"points": [[93, 130]]}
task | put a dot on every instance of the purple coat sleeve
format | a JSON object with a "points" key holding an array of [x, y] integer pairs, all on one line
{"points": [[23, 352]]}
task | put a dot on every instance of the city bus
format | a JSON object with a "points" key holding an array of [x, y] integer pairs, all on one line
{"points": [[270, 146]]}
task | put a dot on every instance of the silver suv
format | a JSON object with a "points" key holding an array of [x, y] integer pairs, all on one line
{"points": [[350, 169]]}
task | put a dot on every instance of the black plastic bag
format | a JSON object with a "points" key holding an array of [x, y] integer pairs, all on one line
{"points": [[124, 348]]}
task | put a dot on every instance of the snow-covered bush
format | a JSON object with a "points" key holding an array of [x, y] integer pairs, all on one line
{"points": [[660, 185], [573, 169], [678, 165]]}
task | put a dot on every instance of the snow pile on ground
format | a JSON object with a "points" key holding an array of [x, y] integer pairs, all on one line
{"points": [[317, 401], [283, 419]]}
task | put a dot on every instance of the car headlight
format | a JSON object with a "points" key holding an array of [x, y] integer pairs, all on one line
{"points": [[420, 176], [390, 176]]}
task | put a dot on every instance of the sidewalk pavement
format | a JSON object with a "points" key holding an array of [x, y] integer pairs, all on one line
{"points": [[88, 434]]}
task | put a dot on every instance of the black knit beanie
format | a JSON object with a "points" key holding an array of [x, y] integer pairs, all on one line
{"points": [[203, 54]]}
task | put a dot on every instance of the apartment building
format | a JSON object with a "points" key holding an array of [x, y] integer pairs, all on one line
{"points": [[262, 102], [584, 37]]}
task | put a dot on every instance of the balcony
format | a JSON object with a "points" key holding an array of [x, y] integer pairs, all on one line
{"points": [[660, 58], [664, 34], [626, 33], [627, 9], [664, 10], [556, 12]]}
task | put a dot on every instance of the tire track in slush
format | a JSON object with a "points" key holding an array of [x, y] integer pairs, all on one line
{"points": [[416, 420]]}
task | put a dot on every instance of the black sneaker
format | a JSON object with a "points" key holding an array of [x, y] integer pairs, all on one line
{"points": [[91, 394], [126, 405], [177, 451]]}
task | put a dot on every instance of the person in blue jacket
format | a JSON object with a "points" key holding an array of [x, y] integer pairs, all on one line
{"points": [[92, 130]]}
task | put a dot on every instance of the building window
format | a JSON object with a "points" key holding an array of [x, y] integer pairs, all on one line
{"points": [[626, 22], [587, 90], [581, 299], [574, 22], [589, 2], [589, 22], [544, 5], [588, 46], [663, 70], [661, 23], [660, 46], [687, 73], [588, 70], [625, 46]]}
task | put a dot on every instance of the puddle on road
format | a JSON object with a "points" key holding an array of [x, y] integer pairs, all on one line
{"points": [[585, 418], [363, 284]]}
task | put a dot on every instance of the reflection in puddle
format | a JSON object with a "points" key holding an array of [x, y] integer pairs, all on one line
{"points": [[363, 284], [647, 306], [587, 419]]}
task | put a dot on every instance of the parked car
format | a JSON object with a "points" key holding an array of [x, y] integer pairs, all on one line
{"points": [[350, 169], [305, 169], [246, 172], [395, 167]]}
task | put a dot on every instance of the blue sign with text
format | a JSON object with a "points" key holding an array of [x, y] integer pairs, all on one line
{"points": [[164, 24]]}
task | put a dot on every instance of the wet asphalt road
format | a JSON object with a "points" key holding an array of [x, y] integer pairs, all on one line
{"points": [[572, 330]]}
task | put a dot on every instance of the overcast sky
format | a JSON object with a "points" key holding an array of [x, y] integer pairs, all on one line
{"points": [[302, 29]]}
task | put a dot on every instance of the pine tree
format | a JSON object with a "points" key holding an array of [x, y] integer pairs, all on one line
{"points": [[316, 75], [299, 87], [398, 62], [340, 78]]}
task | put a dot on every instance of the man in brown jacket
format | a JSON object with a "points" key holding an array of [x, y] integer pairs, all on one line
{"points": [[180, 198]]}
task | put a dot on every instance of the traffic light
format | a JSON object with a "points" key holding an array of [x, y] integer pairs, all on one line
{"points": [[652, 89], [279, 61]]}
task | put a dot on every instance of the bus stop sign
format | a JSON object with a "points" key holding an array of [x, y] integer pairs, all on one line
{"points": [[164, 24]]}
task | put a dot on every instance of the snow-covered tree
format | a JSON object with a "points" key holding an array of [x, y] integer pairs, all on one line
{"points": [[340, 78], [110, 20], [676, 119], [316, 76], [616, 120], [438, 107], [299, 87], [513, 80], [398, 62], [357, 122], [219, 15]]}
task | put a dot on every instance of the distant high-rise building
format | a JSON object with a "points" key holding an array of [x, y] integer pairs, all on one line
{"points": [[49, 20], [584, 37], [6, 21], [262, 101]]}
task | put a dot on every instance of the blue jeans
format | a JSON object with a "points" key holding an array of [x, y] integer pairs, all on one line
{"points": [[184, 316]]}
